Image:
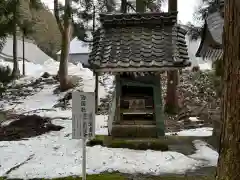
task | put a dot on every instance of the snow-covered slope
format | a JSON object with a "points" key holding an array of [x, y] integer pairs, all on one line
{"points": [[51, 66], [32, 52]]}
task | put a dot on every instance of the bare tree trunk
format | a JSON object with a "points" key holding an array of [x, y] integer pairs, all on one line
{"points": [[229, 159], [171, 105], [65, 30], [15, 71], [63, 66], [23, 49]]}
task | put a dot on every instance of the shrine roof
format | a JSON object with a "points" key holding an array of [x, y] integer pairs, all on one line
{"points": [[211, 38], [144, 40]]}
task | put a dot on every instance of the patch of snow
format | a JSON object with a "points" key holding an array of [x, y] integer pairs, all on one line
{"points": [[56, 154], [32, 54], [205, 152], [6, 123], [101, 125], [193, 119], [51, 66], [201, 132], [205, 66], [44, 100], [34, 71]]}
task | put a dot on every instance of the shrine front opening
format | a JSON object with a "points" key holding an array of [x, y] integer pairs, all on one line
{"points": [[137, 105]]}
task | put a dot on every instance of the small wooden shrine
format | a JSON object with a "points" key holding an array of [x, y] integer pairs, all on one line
{"points": [[211, 46], [136, 48]]}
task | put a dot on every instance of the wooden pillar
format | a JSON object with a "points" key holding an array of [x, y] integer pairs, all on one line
{"points": [[118, 99], [171, 105], [124, 6], [172, 5], [23, 51], [140, 6], [158, 106]]}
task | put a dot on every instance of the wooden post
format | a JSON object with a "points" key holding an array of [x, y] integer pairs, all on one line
{"points": [[158, 106], [23, 51], [124, 6], [172, 6], [171, 105], [118, 99], [96, 92], [140, 6]]}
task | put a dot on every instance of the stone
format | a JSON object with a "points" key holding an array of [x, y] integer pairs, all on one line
{"points": [[46, 75]]}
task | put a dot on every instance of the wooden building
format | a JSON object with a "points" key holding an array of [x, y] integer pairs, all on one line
{"points": [[136, 48], [211, 46]]}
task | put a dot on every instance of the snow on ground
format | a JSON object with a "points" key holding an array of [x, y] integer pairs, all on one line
{"points": [[56, 154], [205, 66], [201, 132], [194, 119], [205, 152], [51, 66], [45, 98]]}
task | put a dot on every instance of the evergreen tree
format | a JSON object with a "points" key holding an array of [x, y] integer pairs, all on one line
{"points": [[12, 19]]}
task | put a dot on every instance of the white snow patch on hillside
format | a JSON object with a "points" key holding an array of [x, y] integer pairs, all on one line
{"points": [[36, 70]]}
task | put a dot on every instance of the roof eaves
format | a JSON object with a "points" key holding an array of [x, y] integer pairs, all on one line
{"points": [[138, 18], [203, 36]]}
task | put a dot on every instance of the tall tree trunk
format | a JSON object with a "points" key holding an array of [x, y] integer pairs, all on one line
{"points": [[123, 6], [15, 71], [171, 104], [229, 159], [65, 84], [23, 49]]}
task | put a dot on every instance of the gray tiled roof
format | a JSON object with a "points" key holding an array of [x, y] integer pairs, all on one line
{"points": [[214, 28], [139, 40], [215, 25], [211, 53]]}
